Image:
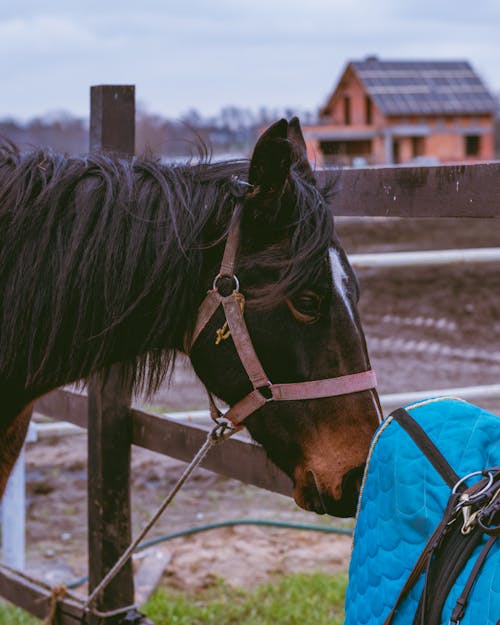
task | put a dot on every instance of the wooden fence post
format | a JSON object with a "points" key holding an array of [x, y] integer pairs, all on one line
{"points": [[112, 130], [112, 119]]}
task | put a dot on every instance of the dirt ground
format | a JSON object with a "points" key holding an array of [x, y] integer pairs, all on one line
{"points": [[428, 328]]}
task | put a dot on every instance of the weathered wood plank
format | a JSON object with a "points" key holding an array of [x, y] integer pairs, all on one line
{"points": [[109, 507], [112, 130], [112, 119], [64, 405], [237, 458], [442, 191], [36, 598]]}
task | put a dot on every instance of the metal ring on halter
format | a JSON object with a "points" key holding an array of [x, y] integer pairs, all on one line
{"points": [[484, 472], [266, 391], [222, 275]]}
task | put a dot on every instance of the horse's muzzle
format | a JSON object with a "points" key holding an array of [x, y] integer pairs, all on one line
{"points": [[310, 495]]}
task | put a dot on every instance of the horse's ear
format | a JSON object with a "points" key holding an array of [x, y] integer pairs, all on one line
{"points": [[271, 160], [268, 175], [296, 137]]}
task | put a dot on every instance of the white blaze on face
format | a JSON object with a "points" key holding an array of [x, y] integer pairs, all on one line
{"points": [[340, 279]]}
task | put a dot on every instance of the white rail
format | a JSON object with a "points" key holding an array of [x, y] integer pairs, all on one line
{"points": [[426, 258], [395, 400], [13, 516], [13, 513]]}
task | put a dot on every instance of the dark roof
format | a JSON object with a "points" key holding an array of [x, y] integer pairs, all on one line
{"points": [[424, 87]]}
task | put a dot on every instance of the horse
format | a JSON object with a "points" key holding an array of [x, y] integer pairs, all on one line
{"points": [[106, 260]]}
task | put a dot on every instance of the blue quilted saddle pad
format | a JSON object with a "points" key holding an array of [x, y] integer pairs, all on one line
{"points": [[402, 501]]}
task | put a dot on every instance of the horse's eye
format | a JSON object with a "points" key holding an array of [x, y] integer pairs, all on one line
{"points": [[306, 306], [307, 303]]}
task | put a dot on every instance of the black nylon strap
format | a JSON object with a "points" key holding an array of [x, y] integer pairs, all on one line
{"points": [[445, 566], [459, 608], [423, 560], [428, 448]]}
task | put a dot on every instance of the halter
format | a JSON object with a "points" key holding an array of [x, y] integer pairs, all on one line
{"points": [[264, 391]]}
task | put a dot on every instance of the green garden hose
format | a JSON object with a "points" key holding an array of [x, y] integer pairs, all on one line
{"points": [[212, 526]]}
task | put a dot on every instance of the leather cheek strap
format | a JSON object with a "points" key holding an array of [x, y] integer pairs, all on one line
{"points": [[263, 390], [243, 342], [206, 311]]}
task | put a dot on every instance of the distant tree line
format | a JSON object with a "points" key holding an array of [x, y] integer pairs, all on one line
{"points": [[62, 132], [232, 131]]}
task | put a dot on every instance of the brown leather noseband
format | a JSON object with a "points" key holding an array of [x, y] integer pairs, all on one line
{"points": [[264, 390]]}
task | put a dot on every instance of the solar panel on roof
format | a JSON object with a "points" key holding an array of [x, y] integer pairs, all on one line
{"points": [[437, 86]]}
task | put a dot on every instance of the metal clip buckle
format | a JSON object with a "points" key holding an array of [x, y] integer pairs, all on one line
{"points": [[470, 520], [465, 505], [223, 430]]}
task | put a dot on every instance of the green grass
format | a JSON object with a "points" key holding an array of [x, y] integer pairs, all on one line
{"points": [[14, 616], [292, 600], [312, 599]]}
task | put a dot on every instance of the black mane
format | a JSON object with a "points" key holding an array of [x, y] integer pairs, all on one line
{"points": [[100, 259]]}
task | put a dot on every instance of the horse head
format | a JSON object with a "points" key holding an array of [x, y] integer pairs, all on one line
{"points": [[299, 296]]}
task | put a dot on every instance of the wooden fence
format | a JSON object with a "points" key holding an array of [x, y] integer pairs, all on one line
{"points": [[113, 426]]}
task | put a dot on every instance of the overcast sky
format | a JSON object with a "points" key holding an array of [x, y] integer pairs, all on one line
{"points": [[206, 54]]}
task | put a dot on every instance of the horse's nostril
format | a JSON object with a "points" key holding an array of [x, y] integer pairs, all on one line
{"points": [[314, 493], [351, 484]]}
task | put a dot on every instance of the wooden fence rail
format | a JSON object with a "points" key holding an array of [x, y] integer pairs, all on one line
{"points": [[442, 191], [445, 191], [238, 457]]}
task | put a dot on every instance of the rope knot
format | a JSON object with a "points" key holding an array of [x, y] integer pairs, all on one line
{"points": [[58, 593]]}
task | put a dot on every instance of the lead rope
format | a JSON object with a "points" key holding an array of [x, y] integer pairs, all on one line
{"points": [[218, 434]]}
